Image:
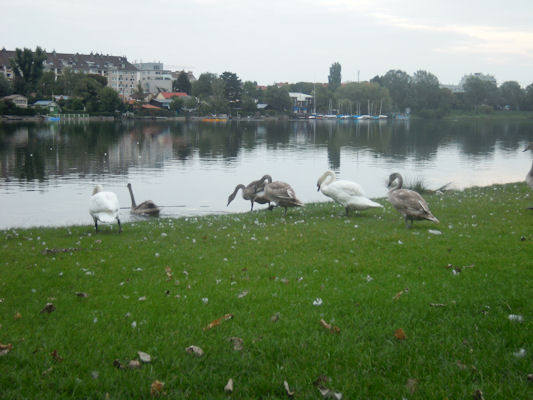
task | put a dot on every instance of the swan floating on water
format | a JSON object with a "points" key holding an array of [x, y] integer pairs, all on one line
{"points": [[103, 207], [282, 194], [408, 202], [254, 191], [147, 207], [349, 194]]}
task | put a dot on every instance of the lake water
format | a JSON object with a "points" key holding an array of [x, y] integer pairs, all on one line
{"points": [[48, 170]]}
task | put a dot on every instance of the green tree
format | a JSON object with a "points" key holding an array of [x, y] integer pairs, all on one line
{"points": [[334, 78], [108, 100], [5, 86], [138, 93], [232, 87], [176, 104], [182, 84], [47, 84], [364, 97], [251, 90], [399, 85], [425, 90], [527, 101], [479, 89], [511, 94], [203, 86], [278, 98], [323, 98], [302, 87], [27, 67], [102, 80]]}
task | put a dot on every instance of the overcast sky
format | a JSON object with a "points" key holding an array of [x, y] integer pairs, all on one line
{"points": [[272, 41]]}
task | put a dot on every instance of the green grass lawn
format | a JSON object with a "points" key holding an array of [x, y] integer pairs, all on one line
{"points": [[156, 286]]}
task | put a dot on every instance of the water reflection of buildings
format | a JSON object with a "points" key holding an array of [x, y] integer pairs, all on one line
{"points": [[47, 151]]}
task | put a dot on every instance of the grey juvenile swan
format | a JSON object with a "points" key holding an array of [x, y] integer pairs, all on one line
{"points": [[254, 191], [282, 194], [147, 207], [103, 207], [408, 202]]}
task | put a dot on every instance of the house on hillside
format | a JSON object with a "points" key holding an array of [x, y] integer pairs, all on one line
{"points": [[170, 95], [51, 106], [301, 103], [19, 100]]}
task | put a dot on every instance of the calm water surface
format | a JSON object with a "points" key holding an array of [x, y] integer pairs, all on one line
{"points": [[48, 170]]}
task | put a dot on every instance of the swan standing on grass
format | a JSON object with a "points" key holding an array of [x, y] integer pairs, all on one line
{"points": [[147, 207], [349, 194], [254, 191], [103, 207], [529, 176], [282, 194], [408, 202]]}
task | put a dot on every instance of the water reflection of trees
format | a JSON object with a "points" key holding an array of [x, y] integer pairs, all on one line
{"points": [[32, 151]]}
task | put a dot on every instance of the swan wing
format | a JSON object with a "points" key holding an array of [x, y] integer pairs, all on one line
{"points": [[362, 203], [104, 206], [348, 187]]}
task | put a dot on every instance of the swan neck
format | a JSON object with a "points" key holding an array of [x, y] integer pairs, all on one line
{"points": [[132, 198]]}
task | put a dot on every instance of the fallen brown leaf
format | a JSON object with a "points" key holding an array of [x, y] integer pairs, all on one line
{"points": [[134, 364], [331, 328], [117, 364], [397, 295], [197, 351], [229, 386], [168, 271], [55, 355], [218, 321], [48, 308], [46, 372], [82, 294], [412, 385], [17, 316], [287, 389], [478, 395], [275, 317], [237, 343], [156, 388], [400, 334], [5, 348]]}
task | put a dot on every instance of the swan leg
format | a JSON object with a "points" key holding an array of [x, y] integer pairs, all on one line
{"points": [[252, 208], [347, 211], [407, 222], [95, 224], [285, 214], [119, 226]]}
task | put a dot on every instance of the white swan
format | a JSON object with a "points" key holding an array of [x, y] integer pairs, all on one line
{"points": [[147, 207], [254, 191], [282, 194], [103, 207], [408, 202], [349, 194], [529, 176]]}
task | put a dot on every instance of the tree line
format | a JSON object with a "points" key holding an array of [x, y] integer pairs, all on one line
{"points": [[394, 92]]}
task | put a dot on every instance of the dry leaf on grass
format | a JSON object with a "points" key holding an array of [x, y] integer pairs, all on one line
{"points": [[237, 343], [329, 327], [156, 388], [17, 316], [242, 294], [46, 372], [437, 305], [287, 389], [478, 395], [412, 385], [168, 272], [55, 355], [229, 386], [134, 364], [330, 394], [400, 334], [82, 294], [48, 308], [5, 348], [144, 357], [275, 317], [197, 351], [117, 364], [397, 295], [218, 321]]}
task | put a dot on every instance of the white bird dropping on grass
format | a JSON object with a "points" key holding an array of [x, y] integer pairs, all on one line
{"points": [[317, 302], [515, 317]]}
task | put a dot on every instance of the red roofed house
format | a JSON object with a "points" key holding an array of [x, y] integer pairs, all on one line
{"points": [[169, 95]]}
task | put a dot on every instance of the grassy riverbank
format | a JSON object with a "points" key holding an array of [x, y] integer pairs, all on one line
{"points": [[425, 313]]}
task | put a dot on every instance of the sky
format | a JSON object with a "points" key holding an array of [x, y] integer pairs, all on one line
{"points": [[272, 41]]}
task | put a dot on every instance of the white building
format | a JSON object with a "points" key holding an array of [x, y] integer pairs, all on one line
{"points": [[153, 78]]}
